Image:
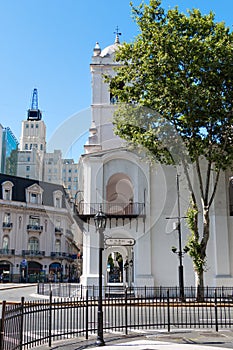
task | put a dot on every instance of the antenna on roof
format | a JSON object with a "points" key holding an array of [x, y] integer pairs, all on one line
{"points": [[34, 113]]}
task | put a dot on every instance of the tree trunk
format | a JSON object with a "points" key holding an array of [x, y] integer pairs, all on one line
{"points": [[204, 241], [200, 285]]}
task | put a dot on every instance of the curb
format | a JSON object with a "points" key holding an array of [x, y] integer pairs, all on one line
{"points": [[15, 286]]}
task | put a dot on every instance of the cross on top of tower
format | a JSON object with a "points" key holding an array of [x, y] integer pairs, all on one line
{"points": [[117, 41]]}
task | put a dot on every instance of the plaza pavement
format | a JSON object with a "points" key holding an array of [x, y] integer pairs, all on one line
{"points": [[176, 339], [157, 340]]}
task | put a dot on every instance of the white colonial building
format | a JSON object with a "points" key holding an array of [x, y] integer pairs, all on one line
{"points": [[141, 206]]}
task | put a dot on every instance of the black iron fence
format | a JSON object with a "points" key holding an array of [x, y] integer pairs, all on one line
{"points": [[77, 290], [31, 324]]}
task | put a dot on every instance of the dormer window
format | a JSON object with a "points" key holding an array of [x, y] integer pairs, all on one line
{"points": [[34, 198], [7, 190], [57, 199], [34, 194], [7, 195]]}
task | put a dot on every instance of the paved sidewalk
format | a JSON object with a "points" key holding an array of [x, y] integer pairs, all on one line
{"points": [[4, 286], [177, 339], [158, 340]]}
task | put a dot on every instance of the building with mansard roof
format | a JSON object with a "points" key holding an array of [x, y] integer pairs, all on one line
{"points": [[40, 239]]}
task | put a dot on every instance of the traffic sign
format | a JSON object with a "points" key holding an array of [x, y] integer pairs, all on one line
{"points": [[24, 263], [120, 241]]}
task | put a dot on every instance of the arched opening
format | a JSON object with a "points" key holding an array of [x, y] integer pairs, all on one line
{"points": [[55, 272], [33, 244], [35, 272], [120, 194], [5, 244], [115, 268], [120, 266], [5, 271]]}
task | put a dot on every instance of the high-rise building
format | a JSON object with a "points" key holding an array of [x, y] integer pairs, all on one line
{"points": [[34, 162], [32, 143], [70, 175], [9, 147]]}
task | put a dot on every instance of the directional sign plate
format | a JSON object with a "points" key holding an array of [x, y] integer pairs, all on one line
{"points": [[119, 241]]}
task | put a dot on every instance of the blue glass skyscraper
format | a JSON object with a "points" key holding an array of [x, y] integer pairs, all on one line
{"points": [[9, 152]]}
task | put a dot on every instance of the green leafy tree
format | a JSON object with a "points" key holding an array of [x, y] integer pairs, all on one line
{"points": [[181, 67]]}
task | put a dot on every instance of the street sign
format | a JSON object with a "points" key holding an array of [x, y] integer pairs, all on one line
{"points": [[24, 263], [120, 241]]}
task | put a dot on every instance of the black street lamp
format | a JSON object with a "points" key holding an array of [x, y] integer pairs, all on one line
{"points": [[179, 252], [100, 224]]}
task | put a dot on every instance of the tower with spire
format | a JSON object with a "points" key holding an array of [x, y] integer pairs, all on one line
{"points": [[32, 142], [101, 136], [112, 177]]}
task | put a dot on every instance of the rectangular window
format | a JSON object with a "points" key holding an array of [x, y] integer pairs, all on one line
{"points": [[7, 195], [28, 159], [34, 220], [58, 223], [37, 126], [27, 126], [58, 202], [28, 168], [34, 198], [26, 146], [7, 218]]}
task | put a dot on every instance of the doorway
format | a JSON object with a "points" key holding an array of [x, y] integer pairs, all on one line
{"points": [[115, 268]]}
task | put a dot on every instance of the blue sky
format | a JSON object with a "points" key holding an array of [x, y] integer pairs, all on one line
{"points": [[48, 44]]}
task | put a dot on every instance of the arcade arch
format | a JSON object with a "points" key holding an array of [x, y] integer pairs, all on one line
{"points": [[117, 268]]}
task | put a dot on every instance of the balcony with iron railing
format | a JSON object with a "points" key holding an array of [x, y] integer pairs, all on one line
{"points": [[112, 210], [63, 255], [7, 252], [7, 225], [35, 228], [33, 253]]}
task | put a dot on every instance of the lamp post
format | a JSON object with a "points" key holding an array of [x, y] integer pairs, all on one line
{"points": [[100, 224], [180, 252]]}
